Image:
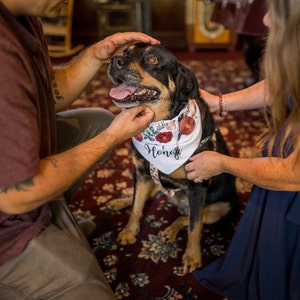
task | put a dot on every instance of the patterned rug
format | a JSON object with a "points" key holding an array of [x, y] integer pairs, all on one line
{"points": [[150, 268]]}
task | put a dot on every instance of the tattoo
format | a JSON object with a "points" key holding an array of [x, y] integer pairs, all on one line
{"points": [[20, 187], [53, 161], [23, 186], [56, 91]]}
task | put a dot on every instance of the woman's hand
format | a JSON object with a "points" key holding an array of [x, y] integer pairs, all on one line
{"points": [[204, 165], [211, 100]]}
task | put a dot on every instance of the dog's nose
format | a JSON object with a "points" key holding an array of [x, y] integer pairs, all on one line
{"points": [[118, 62]]}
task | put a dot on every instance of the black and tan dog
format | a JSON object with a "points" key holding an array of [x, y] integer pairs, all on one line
{"points": [[183, 126]]}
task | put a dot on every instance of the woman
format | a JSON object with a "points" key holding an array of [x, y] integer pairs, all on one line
{"points": [[263, 259]]}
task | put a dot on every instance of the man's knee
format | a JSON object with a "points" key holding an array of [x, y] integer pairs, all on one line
{"points": [[79, 125]]}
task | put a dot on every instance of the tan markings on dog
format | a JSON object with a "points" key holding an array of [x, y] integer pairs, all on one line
{"points": [[214, 212], [138, 162], [119, 203], [192, 258], [172, 85], [161, 108], [149, 48], [171, 232], [178, 173], [143, 191]]}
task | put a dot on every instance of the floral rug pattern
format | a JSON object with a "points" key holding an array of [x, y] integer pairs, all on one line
{"points": [[151, 268]]}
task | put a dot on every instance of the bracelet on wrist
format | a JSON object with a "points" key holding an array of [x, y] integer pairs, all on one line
{"points": [[222, 106]]}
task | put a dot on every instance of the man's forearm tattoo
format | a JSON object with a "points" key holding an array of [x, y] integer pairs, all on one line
{"points": [[20, 187], [56, 92], [53, 161]]}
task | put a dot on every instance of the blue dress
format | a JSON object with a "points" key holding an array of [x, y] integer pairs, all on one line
{"points": [[263, 259]]}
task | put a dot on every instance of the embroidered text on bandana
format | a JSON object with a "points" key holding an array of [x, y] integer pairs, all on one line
{"points": [[168, 144]]}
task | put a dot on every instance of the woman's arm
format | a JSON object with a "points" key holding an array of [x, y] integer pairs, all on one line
{"points": [[268, 172], [70, 80], [252, 97]]}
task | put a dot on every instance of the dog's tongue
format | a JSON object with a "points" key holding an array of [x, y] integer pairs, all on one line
{"points": [[122, 91]]}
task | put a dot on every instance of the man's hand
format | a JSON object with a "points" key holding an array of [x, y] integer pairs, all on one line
{"points": [[115, 43], [130, 122]]}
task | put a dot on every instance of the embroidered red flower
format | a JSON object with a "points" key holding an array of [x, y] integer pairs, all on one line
{"points": [[164, 137], [139, 137], [186, 125]]}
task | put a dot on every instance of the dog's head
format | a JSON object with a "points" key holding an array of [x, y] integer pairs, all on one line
{"points": [[150, 74]]}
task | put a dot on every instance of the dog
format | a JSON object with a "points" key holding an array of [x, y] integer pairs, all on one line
{"points": [[183, 126]]}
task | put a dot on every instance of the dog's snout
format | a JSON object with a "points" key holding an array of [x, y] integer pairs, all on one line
{"points": [[118, 62]]}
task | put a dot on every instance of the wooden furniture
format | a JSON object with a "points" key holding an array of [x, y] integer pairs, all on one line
{"points": [[203, 33], [118, 16], [58, 32]]}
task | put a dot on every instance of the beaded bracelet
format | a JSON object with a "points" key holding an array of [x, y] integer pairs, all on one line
{"points": [[222, 106]]}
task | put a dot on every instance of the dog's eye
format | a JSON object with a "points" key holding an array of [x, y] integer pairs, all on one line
{"points": [[152, 60]]}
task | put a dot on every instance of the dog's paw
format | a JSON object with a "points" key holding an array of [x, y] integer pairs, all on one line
{"points": [[126, 237], [191, 261], [169, 235], [171, 232]]}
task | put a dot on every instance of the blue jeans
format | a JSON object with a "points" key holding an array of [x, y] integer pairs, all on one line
{"points": [[59, 264]]}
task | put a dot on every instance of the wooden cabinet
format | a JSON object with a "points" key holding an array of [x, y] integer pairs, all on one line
{"points": [[118, 16], [201, 32]]}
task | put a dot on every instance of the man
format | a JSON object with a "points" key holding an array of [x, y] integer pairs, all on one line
{"points": [[43, 253]]}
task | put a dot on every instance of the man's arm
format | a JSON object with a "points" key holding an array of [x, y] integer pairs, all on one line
{"points": [[58, 172]]}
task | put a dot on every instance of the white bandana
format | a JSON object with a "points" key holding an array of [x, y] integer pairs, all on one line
{"points": [[168, 144]]}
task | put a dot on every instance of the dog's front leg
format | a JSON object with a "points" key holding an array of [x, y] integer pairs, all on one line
{"points": [[192, 258], [143, 191]]}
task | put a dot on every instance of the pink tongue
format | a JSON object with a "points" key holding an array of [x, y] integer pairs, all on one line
{"points": [[122, 91]]}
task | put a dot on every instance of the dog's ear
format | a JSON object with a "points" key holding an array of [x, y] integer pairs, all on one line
{"points": [[186, 83], [186, 89]]}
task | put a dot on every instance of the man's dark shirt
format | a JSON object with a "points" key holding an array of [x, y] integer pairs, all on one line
{"points": [[27, 122]]}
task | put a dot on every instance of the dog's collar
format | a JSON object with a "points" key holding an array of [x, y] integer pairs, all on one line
{"points": [[168, 144]]}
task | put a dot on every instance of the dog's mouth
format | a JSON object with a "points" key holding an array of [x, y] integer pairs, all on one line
{"points": [[126, 95]]}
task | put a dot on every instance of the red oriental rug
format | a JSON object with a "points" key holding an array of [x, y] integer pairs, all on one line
{"points": [[149, 269]]}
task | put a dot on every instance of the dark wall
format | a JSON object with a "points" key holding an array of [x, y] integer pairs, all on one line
{"points": [[84, 22], [168, 23], [164, 19]]}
